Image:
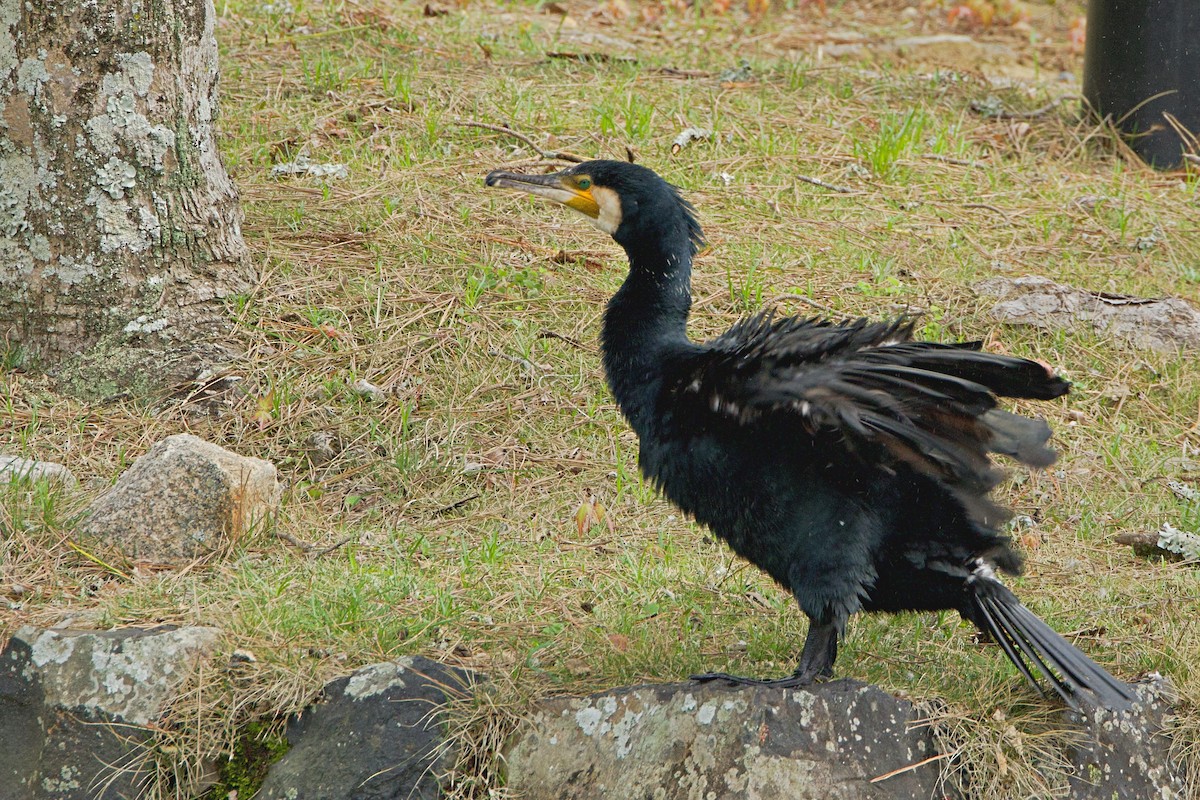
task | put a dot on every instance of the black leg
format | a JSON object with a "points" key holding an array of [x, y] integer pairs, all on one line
{"points": [[820, 651], [816, 661]]}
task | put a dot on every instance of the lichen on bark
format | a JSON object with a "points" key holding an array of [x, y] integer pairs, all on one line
{"points": [[120, 231]]}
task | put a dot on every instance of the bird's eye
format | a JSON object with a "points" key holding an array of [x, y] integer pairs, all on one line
{"points": [[584, 183]]}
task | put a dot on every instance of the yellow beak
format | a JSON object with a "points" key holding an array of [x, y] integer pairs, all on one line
{"points": [[556, 186]]}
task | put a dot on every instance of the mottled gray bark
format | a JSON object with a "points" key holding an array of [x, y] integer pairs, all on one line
{"points": [[120, 231]]}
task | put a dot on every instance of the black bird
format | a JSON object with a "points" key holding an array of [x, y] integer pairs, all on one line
{"points": [[848, 461]]}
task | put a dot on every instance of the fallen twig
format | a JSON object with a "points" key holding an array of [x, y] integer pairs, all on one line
{"points": [[311, 549], [958, 162], [332, 547], [586, 545], [673, 72], [996, 111], [586, 57], [831, 187], [808, 301], [560, 155], [986, 207], [1146, 545], [303, 547], [456, 504], [528, 365], [574, 343], [909, 768]]}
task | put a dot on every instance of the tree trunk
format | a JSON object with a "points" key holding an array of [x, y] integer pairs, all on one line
{"points": [[120, 231]]}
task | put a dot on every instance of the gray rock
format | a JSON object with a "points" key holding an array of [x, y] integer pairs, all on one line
{"points": [[685, 741], [950, 49], [836, 741], [375, 734], [72, 704], [26, 470], [182, 500], [1166, 324], [1127, 754], [948, 39]]}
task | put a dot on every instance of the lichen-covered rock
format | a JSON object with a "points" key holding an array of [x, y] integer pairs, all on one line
{"points": [[842, 740], [182, 500], [26, 470], [1163, 324], [836, 741], [73, 706], [1127, 754], [374, 735]]}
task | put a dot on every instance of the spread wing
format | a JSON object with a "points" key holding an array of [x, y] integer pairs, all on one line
{"points": [[931, 406]]}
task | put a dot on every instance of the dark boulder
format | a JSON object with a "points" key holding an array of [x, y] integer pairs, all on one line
{"points": [[75, 706], [374, 734]]}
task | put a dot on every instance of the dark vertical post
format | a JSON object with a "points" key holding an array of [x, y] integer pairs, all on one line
{"points": [[1143, 62]]}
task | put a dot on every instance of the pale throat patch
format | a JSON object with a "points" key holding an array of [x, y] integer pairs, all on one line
{"points": [[609, 203]]}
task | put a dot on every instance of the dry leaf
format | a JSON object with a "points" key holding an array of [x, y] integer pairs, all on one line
{"points": [[579, 667], [333, 332], [590, 513], [1077, 35], [651, 13], [964, 14], [619, 641], [759, 8]]}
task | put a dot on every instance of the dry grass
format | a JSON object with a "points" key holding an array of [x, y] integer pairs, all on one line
{"points": [[453, 497]]}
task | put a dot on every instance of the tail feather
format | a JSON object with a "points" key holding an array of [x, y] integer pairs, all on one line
{"points": [[1032, 650], [1082, 670], [1032, 644], [1010, 646]]}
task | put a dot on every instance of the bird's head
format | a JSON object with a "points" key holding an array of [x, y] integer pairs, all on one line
{"points": [[629, 202]]}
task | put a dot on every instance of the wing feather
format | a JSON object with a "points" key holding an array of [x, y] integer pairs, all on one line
{"points": [[892, 399]]}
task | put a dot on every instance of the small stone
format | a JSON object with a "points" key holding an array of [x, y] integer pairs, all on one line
{"points": [[322, 447], [183, 500], [303, 166], [364, 388], [12, 467], [1168, 324], [243, 656], [951, 49]]}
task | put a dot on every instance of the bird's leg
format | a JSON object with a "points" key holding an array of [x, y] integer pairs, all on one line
{"points": [[820, 651], [816, 661]]}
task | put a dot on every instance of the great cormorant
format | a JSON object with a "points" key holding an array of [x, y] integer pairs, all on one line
{"points": [[848, 461]]}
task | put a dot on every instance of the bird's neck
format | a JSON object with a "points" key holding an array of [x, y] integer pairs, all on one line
{"points": [[645, 320]]}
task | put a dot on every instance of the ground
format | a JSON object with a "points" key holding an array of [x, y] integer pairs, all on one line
{"points": [[447, 499]]}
